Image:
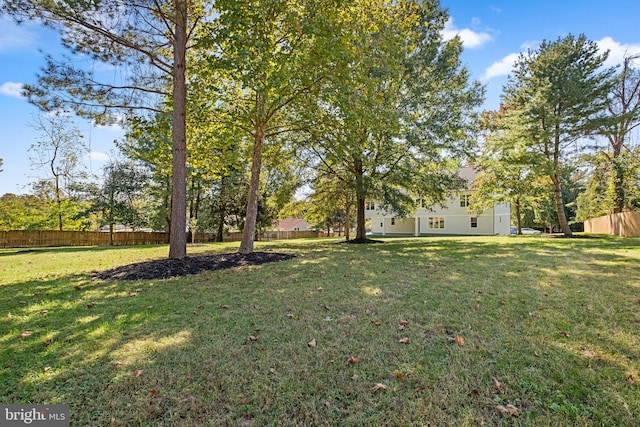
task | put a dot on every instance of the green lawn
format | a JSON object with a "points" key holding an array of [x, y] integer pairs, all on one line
{"points": [[550, 326]]}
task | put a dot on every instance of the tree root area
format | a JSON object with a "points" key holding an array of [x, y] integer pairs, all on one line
{"points": [[166, 268]]}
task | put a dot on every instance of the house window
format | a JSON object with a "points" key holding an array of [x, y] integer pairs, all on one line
{"points": [[393, 221], [464, 200], [420, 203], [369, 206], [474, 222], [436, 222]]}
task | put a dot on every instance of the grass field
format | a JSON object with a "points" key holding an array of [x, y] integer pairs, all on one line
{"points": [[426, 331]]}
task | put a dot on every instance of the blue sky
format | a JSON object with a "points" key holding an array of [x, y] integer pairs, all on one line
{"points": [[493, 33]]}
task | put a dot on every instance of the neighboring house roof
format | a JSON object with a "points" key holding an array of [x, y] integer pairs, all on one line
{"points": [[468, 174], [290, 224]]}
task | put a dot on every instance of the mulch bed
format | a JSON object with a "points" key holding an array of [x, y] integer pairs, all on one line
{"points": [[166, 267]]}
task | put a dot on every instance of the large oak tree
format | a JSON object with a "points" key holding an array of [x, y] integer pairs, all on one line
{"points": [[149, 40]]}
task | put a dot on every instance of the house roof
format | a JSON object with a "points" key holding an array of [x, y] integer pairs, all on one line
{"points": [[290, 223], [468, 174]]}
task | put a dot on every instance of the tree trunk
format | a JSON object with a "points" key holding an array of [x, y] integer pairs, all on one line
{"points": [[618, 176], [562, 219], [347, 221], [221, 217], [518, 216], [248, 234], [58, 202], [177, 234], [111, 234], [361, 233]]}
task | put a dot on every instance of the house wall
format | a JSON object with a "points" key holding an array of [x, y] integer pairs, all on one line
{"points": [[457, 220]]}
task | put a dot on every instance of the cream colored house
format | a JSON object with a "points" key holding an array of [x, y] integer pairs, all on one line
{"points": [[453, 218]]}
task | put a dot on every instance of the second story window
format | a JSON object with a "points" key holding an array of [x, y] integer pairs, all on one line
{"points": [[369, 206], [464, 200]]}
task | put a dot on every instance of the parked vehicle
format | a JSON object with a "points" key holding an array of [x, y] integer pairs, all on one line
{"points": [[525, 230]]}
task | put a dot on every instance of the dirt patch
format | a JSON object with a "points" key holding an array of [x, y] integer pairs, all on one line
{"points": [[360, 242], [166, 268]]}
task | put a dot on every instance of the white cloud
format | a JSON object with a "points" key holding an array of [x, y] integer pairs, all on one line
{"points": [[502, 67], [15, 37], [97, 156], [11, 89], [470, 38], [617, 51]]}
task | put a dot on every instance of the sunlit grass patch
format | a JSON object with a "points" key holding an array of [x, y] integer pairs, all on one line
{"points": [[454, 328]]}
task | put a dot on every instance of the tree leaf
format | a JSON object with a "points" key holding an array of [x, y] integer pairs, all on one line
{"points": [[139, 372], [459, 340], [508, 410], [496, 384], [378, 387], [353, 360], [312, 343], [404, 340]]}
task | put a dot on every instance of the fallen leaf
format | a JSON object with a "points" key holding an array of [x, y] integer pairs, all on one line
{"points": [[404, 340], [480, 292], [378, 387], [225, 306], [496, 384], [565, 333], [253, 338], [25, 334], [508, 410], [401, 328], [376, 323], [149, 307], [418, 389], [353, 360], [44, 311], [77, 287], [533, 313], [476, 307], [327, 308], [459, 340], [113, 421], [117, 363], [630, 378], [194, 312], [399, 375], [474, 392], [268, 401], [48, 342], [23, 302], [404, 322], [152, 392], [319, 289], [256, 329], [46, 368], [91, 305], [272, 371], [139, 372], [201, 306], [244, 400], [312, 343], [541, 307], [503, 303], [9, 315]]}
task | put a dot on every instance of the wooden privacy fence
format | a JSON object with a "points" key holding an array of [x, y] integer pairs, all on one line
{"points": [[625, 224], [32, 239]]}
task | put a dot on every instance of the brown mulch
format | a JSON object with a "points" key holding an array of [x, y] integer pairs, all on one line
{"points": [[166, 267]]}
